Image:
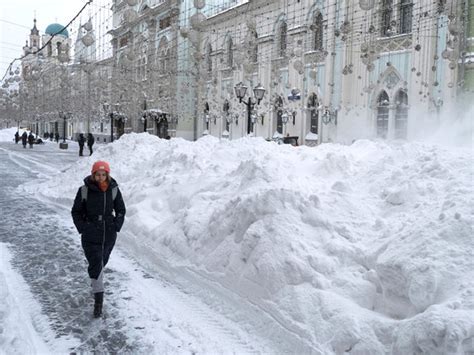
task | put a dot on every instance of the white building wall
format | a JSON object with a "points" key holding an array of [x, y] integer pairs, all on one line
{"points": [[400, 62]]}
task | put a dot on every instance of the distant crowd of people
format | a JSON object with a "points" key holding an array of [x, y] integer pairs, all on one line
{"points": [[30, 139], [90, 140]]}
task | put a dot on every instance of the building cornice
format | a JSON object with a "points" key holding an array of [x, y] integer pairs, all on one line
{"points": [[244, 8], [163, 9]]}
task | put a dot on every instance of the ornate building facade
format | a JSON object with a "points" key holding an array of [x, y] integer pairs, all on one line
{"points": [[331, 70], [43, 89], [314, 70], [144, 40]]}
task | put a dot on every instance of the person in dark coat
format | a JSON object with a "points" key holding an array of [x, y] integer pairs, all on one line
{"points": [[56, 137], [31, 140], [90, 142], [98, 218], [17, 137], [81, 140], [24, 138]]}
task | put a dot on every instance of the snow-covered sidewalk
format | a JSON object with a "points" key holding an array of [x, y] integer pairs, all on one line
{"points": [[46, 301]]}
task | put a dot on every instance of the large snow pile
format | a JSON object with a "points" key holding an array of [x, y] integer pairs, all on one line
{"points": [[8, 134], [363, 249]]}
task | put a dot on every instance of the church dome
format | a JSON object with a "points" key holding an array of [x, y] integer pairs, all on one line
{"points": [[55, 28]]}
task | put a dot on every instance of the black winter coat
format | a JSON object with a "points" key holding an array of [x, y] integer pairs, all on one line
{"points": [[99, 218], [90, 140]]}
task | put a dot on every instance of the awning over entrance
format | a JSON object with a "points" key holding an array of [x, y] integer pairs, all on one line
{"points": [[155, 113]]}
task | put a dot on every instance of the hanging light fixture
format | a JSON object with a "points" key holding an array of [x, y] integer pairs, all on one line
{"points": [[88, 25], [366, 4], [259, 92], [199, 4], [88, 39], [197, 20]]}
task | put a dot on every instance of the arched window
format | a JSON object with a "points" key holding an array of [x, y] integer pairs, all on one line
{"points": [[162, 49], [230, 53], [167, 60], [208, 58], [313, 113], [254, 47], [401, 115], [405, 16], [317, 28], [206, 116], [282, 39], [143, 68], [382, 114], [386, 18]]}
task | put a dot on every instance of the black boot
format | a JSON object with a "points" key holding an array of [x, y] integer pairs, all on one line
{"points": [[99, 300]]}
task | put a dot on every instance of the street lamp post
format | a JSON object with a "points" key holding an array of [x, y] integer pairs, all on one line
{"points": [[111, 127], [112, 115], [259, 92], [64, 116]]}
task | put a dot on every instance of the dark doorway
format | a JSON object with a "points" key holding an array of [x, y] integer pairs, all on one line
{"points": [[162, 126], [279, 111], [313, 113], [382, 115]]}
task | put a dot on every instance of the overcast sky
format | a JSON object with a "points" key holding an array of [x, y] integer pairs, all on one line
{"points": [[16, 21]]}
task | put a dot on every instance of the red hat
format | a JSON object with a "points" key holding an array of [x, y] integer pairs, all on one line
{"points": [[101, 165]]}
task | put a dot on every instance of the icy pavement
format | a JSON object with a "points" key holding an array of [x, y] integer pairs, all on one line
{"points": [[49, 260], [142, 313]]}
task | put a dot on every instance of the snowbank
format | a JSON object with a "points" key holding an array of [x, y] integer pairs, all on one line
{"points": [[364, 249], [8, 134], [20, 314]]}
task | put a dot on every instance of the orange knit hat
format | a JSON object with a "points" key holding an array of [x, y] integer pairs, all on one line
{"points": [[100, 165]]}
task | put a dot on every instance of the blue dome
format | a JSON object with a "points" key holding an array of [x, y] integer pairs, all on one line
{"points": [[55, 28]]}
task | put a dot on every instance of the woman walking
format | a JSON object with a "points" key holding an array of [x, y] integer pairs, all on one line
{"points": [[98, 213]]}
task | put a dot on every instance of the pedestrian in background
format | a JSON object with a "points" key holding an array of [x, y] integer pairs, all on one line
{"points": [[56, 137], [31, 140], [81, 140], [17, 137], [24, 138], [90, 142], [98, 214]]}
